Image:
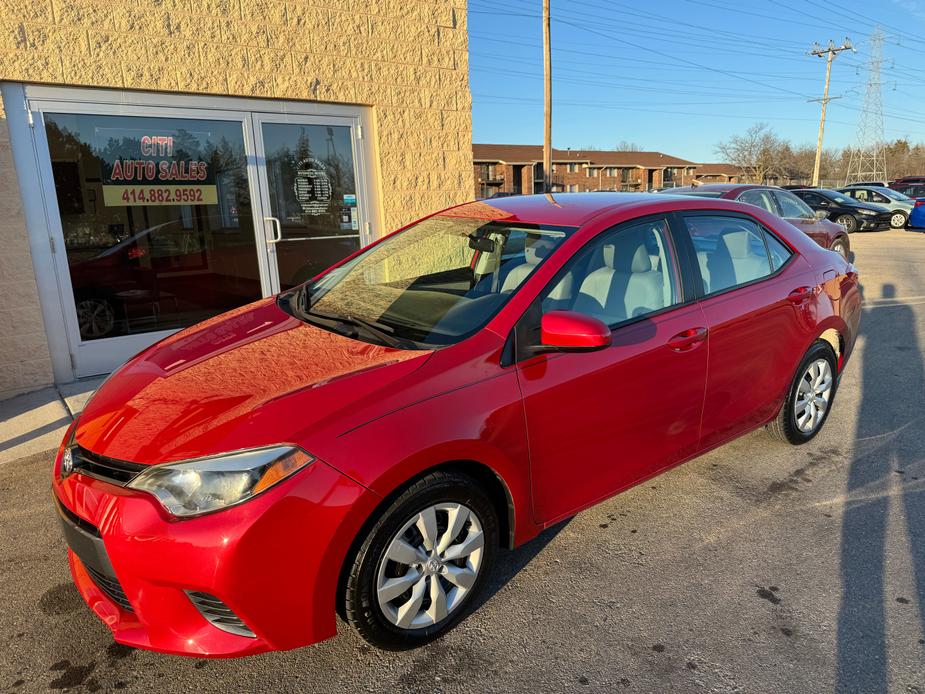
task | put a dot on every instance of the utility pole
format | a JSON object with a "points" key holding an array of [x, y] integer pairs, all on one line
{"points": [[547, 102], [830, 52]]}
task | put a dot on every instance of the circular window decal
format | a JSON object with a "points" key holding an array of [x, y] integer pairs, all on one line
{"points": [[312, 187]]}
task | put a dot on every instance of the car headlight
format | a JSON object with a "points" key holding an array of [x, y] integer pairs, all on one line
{"points": [[193, 487], [869, 213]]}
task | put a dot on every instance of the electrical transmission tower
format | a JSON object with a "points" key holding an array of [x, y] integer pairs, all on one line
{"points": [[868, 158]]}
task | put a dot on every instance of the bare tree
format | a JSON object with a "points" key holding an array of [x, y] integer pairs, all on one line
{"points": [[759, 152], [625, 146]]}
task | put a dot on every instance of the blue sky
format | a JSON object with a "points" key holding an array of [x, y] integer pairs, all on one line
{"points": [[681, 75]]}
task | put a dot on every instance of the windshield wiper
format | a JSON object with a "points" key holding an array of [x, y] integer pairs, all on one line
{"points": [[382, 332]]}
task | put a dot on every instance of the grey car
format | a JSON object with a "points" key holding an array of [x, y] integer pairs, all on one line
{"points": [[898, 204]]}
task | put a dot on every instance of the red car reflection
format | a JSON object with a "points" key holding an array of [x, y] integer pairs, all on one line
{"points": [[365, 442]]}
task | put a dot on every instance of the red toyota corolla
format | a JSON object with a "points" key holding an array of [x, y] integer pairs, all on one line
{"points": [[365, 442]]}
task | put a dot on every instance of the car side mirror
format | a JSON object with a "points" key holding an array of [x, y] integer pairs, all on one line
{"points": [[821, 214], [569, 331]]}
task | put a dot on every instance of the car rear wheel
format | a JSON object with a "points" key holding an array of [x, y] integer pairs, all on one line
{"points": [[847, 221], [810, 397], [840, 247], [898, 220], [422, 564]]}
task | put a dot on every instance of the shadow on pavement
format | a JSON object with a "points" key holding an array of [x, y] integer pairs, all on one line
{"points": [[888, 442]]}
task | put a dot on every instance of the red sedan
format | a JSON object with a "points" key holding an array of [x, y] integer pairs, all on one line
{"points": [[366, 442], [781, 202]]}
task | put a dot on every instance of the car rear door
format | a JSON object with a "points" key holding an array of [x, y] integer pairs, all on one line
{"points": [[599, 421], [755, 291], [801, 216]]}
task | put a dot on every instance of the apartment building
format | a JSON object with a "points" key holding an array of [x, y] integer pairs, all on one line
{"points": [[500, 168]]}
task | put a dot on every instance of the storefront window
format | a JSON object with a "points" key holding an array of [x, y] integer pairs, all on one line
{"points": [[156, 217]]}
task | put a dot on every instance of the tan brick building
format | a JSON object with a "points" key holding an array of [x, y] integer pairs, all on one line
{"points": [[720, 173], [519, 169], [164, 160]]}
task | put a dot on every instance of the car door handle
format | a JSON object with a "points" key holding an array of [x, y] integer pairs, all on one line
{"points": [[800, 295], [687, 339]]}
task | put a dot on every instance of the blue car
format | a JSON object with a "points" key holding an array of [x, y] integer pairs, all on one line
{"points": [[917, 216]]}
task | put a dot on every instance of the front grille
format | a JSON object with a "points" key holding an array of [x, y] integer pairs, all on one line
{"points": [[118, 472], [110, 585], [86, 526], [219, 614]]}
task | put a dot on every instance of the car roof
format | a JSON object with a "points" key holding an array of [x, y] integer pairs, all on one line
{"points": [[575, 209]]}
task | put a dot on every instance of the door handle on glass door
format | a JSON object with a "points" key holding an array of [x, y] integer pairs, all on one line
{"points": [[277, 229], [687, 339]]}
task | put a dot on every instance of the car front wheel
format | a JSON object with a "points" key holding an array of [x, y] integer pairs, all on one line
{"points": [[422, 564], [810, 397], [847, 221], [898, 220]]}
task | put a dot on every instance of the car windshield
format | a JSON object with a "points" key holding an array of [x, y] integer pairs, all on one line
{"points": [[894, 195], [840, 199], [433, 284]]}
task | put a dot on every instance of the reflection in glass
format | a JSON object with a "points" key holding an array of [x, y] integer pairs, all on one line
{"points": [[157, 220], [312, 186]]}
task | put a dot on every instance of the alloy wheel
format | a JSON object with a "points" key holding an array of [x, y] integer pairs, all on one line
{"points": [[813, 395], [95, 318], [430, 566], [847, 221], [898, 220]]}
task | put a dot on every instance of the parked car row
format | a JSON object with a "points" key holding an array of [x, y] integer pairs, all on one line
{"points": [[781, 203]]}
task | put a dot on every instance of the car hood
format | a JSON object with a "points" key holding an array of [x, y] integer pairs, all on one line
{"points": [[255, 376]]}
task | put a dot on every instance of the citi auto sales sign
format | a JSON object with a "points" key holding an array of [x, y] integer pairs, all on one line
{"points": [[151, 169]]}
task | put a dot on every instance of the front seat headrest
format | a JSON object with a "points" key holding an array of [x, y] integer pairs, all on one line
{"points": [[637, 261]]}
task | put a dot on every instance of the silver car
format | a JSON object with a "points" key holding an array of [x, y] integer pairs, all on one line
{"points": [[900, 205]]}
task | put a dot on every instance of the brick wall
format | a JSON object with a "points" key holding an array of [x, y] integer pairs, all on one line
{"points": [[408, 59]]}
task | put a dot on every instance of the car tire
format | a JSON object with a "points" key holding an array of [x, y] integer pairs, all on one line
{"points": [[898, 220], [848, 222], [840, 247], [417, 616], [800, 418]]}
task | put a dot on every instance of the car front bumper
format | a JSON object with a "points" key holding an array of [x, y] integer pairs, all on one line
{"points": [[875, 223], [270, 565]]}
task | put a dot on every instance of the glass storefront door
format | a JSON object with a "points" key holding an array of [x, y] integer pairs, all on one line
{"points": [[310, 188], [163, 217]]}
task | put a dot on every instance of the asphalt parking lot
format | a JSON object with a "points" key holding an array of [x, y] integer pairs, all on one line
{"points": [[756, 568]]}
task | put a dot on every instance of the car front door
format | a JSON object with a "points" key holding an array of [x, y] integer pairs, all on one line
{"points": [[754, 292], [801, 216], [600, 421]]}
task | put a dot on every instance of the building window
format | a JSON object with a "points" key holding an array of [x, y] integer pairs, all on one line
{"points": [[486, 172], [625, 175], [573, 168], [572, 188], [589, 172], [669, 175]]}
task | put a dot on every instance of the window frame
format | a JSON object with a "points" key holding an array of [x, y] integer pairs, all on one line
{"points": [[516, 349], [694, 266]]}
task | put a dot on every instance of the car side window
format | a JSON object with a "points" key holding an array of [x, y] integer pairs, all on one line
{"points": [[859, 195], [620, 275], [759, 198], [877, 197], [731, 251], [813, 199], [779, 253], [792, 207]]}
